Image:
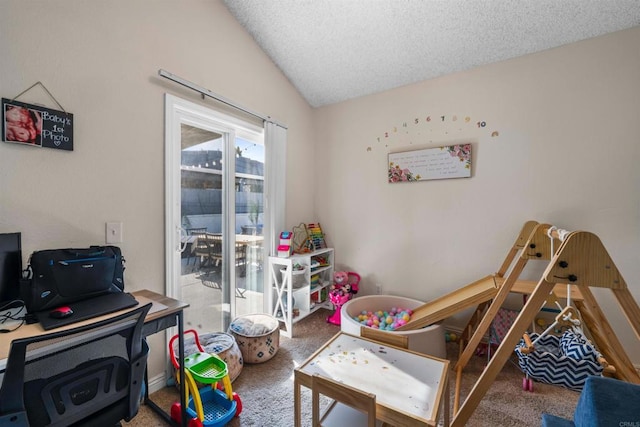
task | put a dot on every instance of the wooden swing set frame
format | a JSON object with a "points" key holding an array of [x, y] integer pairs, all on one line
{"points": [[580, 261]]}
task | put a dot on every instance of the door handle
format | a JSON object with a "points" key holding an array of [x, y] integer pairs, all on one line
{"points": [[181, 246]]}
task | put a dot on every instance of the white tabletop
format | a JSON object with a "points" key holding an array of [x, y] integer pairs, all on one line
{"points": [[402, 380]]}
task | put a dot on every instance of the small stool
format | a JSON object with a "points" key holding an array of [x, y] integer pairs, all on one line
{"points": [[257, 335]]}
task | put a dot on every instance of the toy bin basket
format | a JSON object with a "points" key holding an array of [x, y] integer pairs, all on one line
{"points": [[206, 368], [218, 410], [297, 277]]}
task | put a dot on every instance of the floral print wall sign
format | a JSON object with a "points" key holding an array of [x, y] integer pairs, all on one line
{"points": [[453, 161]]}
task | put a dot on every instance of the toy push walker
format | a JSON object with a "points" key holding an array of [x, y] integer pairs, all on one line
{"points": [[212, 405]]}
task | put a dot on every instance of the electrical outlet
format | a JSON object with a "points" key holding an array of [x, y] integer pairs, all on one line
{"points": [[113, 232], [379, 289]]}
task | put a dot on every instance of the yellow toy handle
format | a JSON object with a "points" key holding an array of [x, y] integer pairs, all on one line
{"points": [[191, 388], [197, 400], [227, 387]]}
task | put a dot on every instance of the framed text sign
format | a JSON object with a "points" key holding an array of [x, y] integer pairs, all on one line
{"points": [[452, 161], [36, 126]]}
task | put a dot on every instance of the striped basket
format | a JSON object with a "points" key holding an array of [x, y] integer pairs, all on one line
{"points": [[566, 361]]}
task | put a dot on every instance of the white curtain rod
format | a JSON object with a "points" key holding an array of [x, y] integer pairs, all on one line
{"points": [[207, 92]]}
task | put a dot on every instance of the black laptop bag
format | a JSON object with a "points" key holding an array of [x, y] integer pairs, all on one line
{"points": [[58, 277]]}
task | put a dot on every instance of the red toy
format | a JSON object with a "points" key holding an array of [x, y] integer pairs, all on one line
{"points": [[346, 284], [212, 405]]}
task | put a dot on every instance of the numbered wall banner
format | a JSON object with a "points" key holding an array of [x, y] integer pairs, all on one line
{"points": [[452, 161], [36, 126]]}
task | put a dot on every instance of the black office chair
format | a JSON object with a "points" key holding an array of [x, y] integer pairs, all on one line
{"points": [[91, 375]]}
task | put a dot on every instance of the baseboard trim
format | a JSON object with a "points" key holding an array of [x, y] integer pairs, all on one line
{"points": [[157, 383], [458, 332]]}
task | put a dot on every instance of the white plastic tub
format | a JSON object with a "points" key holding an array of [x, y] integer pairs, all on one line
{"points": [[429, 340]]}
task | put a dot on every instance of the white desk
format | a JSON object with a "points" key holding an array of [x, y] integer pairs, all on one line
{"points": [[410, 387]]}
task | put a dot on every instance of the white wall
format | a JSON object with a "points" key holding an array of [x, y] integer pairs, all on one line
{"points": [[567, 154], [100, 60]]}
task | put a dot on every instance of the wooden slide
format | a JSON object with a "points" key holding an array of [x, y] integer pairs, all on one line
{"points": [[476, 293], [472, 295]]}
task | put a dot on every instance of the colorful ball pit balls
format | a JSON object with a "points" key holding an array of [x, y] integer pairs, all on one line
{"points": [[384, 320]]}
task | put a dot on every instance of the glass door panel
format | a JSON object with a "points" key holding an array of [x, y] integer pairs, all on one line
{"points": [[201, 213], [249, 215], [218, 290]]}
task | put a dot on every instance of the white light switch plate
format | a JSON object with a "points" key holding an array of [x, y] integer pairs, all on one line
{"points": [[114, 232]]}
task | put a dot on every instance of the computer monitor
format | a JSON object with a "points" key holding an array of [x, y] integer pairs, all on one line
{"points": [[10, 268]]}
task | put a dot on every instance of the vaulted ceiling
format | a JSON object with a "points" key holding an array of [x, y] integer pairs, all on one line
{"points": [[335, 50]]}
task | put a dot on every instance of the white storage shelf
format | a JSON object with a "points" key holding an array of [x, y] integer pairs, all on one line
{"points": [[291, 293]]}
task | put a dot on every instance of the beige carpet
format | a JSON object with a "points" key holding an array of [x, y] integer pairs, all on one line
{"points": [[266, 389]]}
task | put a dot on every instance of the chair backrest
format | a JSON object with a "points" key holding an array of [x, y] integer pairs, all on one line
{"points": [[209, 245], [196, 231], [88, 375], [199, 246], [353, 279], [241, 253], [201, 243], [215, 245], [395, 339], [343, 394]]}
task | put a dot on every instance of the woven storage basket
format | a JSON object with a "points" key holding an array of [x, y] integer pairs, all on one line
{"points": [[257, 335]]}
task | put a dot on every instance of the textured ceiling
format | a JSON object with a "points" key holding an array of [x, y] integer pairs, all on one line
{"points": [[334, 50]]}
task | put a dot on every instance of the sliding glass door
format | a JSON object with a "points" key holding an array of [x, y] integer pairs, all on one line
{"points": [[215, 214]]}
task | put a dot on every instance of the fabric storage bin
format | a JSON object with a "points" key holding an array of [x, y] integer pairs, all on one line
{"points": [[257, 335], [297, 277]]}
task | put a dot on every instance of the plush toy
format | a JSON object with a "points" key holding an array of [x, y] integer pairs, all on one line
{"points": [[340, 278]]}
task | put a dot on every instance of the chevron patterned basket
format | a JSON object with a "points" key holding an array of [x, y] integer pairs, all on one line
{"points": [[566, 361]]}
